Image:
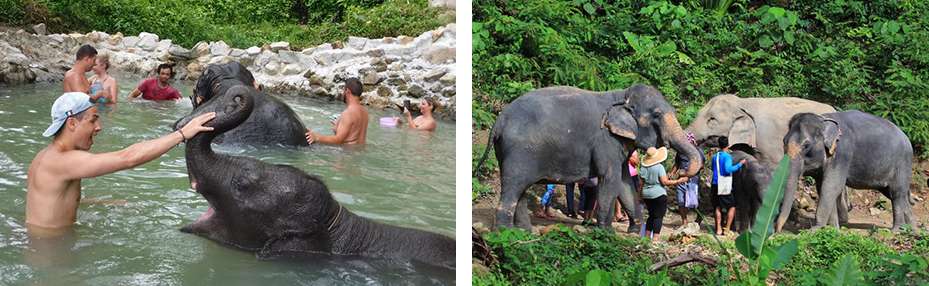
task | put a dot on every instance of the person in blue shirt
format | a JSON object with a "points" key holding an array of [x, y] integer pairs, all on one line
{"points": [[722, 184]]}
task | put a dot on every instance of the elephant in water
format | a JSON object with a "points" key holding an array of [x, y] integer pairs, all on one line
{"points": [[853, 149], [761, 123], [562, 134], [271, 123], [276, 210]]}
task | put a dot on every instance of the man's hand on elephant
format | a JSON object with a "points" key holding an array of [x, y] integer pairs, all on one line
{"points": [[196, 125], [309, 136], [743, 162]]}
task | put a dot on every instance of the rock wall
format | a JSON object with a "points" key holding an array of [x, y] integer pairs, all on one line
{"points": [[392, 69]]}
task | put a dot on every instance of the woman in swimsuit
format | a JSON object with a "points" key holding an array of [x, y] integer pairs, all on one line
{"points": [[103, 81]]}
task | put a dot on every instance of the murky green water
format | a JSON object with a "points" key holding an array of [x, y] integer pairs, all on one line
{"points": [[403, 177]]}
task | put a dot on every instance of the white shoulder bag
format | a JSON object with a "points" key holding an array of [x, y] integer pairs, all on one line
{"points": [[724, 183]]}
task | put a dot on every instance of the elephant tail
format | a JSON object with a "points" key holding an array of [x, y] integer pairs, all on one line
{"points": [[490, 142]]}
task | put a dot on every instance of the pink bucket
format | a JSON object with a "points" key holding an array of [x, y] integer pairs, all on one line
{"points": [[389, 121]]}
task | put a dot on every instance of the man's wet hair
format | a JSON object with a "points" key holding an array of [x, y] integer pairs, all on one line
{"points": [[354, 86], [165, 66], [723, 142], [86, 51]]}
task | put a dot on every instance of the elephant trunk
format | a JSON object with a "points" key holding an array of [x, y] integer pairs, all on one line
{"points": [[790, 191], [680, 144]]}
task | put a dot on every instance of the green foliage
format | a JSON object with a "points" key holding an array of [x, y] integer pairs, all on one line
{"points": [[490, 164], [901, 267], [829, 257], [240, 23], [479, 190], [550, 258], [848, 53], [751, 244], [821, 248], [844, 272]]}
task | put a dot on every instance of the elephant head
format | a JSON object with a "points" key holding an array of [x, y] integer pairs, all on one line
{"points": [[724, 115], [810, 142], [640, 113], [232, 108], [217, 79]]}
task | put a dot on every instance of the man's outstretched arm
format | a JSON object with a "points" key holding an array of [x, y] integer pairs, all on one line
{"points": [[83, 164]]}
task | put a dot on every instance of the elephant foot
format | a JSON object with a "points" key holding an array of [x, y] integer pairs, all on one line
{"points": [[633, 228]]}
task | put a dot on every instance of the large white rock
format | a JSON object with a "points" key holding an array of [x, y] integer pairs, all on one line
{"points": [[147, 41], [219, 48], [39, 29], [291, 69], [277, 46], [253, 51], [130, 41], [179, 52], [237, 53], [357, 42], [434, 75], [288, 56]]}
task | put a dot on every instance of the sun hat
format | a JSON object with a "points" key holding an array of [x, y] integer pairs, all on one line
{"points": [[68, 104], [654, 156]]}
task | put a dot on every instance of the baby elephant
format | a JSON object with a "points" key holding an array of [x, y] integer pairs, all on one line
{"points": [[748, 185], [853, 149]]}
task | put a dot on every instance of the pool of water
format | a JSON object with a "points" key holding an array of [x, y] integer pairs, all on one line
{"points": [[130, 235]]}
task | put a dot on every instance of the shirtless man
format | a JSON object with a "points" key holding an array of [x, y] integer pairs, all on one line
{"points": [[352, 125], [425, 121], [75, 81], [54, 183]]}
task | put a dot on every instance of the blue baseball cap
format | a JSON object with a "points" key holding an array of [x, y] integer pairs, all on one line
{"points": [[68, 104]]}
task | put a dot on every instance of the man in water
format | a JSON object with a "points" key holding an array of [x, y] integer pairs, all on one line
{"points": [[54, 177], [157, 88], [425, 121], [75, 80], [352, 125]]}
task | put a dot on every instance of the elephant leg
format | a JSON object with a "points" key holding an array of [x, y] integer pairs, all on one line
{"points": [[834, 219], [842, 209], [607, 191], [832, 186], [512, 190], [522, 212], [628, 202], [900, 201]]}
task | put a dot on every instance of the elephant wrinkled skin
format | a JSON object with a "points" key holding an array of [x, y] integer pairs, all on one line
{"points": [[279, 210], [853, 149], [271, 123], [563, 134]]}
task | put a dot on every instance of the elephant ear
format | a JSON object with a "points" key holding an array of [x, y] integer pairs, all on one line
{"points": [[620, 122], [831, 135], [743, 129]]}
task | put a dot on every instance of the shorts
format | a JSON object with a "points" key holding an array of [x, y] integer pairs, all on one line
{"points": [[722, 201]]}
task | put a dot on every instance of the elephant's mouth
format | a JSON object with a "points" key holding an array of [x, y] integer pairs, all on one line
{"points": [[209, 210], [206, 215]]}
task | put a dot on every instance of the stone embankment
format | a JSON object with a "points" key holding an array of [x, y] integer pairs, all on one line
{"points": [[392, 69]]}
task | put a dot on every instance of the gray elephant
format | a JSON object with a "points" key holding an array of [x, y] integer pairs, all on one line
{"points": [[761, 123], [563, 134], [749, 184], [853, 149], [277, 210]]}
